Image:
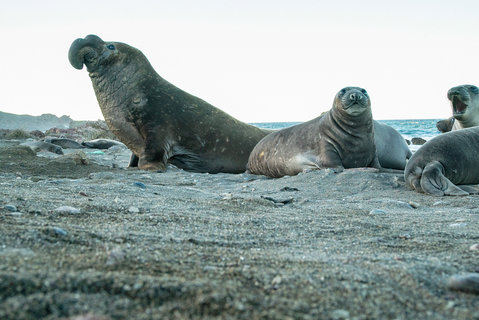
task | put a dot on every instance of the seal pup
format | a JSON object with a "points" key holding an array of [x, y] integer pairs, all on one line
{"points": [[65, 143], [446, 164], [341, 138], [38, 146], [157, 121], [101, 143], [391, 147], [465, 108], [445, 125]]}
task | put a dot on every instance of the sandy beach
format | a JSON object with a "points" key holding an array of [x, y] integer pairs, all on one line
{"points": [[84, 237]]}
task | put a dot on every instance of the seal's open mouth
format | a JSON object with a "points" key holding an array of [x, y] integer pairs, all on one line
{"points": [[458, 106]]}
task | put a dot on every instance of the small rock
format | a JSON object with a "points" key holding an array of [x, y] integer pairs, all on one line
{"points": [[340, 314], [413, 204], [418, 141], [140, 185], [59, 231], [278, 201], [67, 209], [289, 189], [209, 268], [115, 256], [276, 280], [133, 210], [465, 283], [10, 207], [377, 211], [226, 196], [458, 225], [474, 247]]}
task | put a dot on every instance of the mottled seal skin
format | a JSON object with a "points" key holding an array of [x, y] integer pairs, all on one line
{"points": [[341, 138], [157, 121], [101, 143], [465, 108], [446, 164], [65, 143], [391, 147], [38, 146]]}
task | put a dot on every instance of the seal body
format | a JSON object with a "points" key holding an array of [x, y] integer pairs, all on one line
{"points": [[101, 143], [391, 147], [157, 121], [465, 108], [65, 143], [444, 162], [38, 146], [341, 138]]}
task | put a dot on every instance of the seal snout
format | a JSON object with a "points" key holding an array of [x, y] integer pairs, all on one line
{"points": [[83, 51], [355, 97]]}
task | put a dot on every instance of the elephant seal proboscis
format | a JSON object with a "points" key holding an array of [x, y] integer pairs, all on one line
{"points": [[391, 147], [446, 164], [157, 121], [465, 108], [102, 143], [341, 138]]}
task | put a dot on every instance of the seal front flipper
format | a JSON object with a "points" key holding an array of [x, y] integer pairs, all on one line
{"points": [[434, 182]]}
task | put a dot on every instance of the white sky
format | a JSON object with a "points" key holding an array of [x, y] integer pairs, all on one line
{"points": [[260, 61]]}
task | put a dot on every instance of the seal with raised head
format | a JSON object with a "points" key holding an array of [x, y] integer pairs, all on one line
{"points": [[157, 121], [341, 138], [446, 164], [465, 108]]}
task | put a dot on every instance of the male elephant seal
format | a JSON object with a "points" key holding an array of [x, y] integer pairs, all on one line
{"points": [[444, 162], [341, 138], [157, 121], [391, 147], [465, 108]]}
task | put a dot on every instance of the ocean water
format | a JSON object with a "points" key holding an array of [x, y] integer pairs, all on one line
{"points": [[419, 128]]}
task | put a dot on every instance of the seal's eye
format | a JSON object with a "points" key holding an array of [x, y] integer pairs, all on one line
{"points": [[111, 47], [342, 92], [364, 92], [474, 89]]}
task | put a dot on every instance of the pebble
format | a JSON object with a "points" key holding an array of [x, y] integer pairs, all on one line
{"points": [[133, 209], [10, 207], [14, 214], [458, 225], [474, 247], [59, 231], [377, 211], [116, 256], [140, 185], [340, 314], [67, 209], [465, 283], [413, 204], [227, 196]]}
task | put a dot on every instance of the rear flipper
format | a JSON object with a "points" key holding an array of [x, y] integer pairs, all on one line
{"points": [[434, 182]]}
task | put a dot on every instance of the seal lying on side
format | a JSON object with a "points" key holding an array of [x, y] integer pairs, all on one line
{"points": [[65, 143], [38, 146], [444, 162], [341, 138], [157, 121], [101, 143], [465, 108], [391, 147]]}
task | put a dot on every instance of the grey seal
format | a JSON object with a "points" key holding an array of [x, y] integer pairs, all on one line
{"points": [[446, 164], [465, 108], [341, 138], [38, 146], [391, 147], [65, 143], [157, 121], [101, 143]]}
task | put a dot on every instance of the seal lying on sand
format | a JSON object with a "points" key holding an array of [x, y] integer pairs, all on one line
{"points": [[444, 162], [465, 108], [157, 121], [101, 143], [341, 138], [38, 146], [65, 143], [391, 147]]}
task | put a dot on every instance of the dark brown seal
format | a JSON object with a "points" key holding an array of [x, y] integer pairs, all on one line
{"points": [[444, 162], [341, 138], [157, 121]]}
